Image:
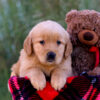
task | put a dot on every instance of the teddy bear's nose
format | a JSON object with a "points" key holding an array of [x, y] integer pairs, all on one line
{"points": [[88, 36]]}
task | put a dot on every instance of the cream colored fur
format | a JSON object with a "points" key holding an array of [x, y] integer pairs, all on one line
{"points": [[32, 61]]}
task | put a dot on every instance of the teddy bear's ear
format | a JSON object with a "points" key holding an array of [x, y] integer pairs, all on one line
{"points": [[70, 15]]}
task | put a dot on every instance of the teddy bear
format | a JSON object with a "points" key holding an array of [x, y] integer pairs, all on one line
{"points": [[84, 29]]}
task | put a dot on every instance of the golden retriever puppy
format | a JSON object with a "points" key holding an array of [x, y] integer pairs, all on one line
{"points": [[47, 51]]}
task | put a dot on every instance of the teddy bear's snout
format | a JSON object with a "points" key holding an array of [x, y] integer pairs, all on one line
{"points": [[88, 37]]}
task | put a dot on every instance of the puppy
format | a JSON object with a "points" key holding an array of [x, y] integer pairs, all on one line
{"points": [[47, 51]]}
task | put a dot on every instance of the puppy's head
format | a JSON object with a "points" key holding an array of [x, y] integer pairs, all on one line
{"points": [[49, 42]]}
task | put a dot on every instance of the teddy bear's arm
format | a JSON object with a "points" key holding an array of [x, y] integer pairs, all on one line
{"points": [[82, 60]]}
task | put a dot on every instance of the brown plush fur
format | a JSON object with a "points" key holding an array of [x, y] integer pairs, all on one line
{"points": [[77, 21], [33, 61]]}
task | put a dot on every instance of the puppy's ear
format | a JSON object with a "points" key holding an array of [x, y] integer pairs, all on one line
{"points": [[28, 45], [68, 49]]}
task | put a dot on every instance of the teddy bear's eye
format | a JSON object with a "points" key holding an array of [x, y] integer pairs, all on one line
{"points": [[94, 29], [83, 28], [58, 42], [42, 42]]}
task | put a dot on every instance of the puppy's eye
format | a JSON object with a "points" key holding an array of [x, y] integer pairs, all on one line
{"points": [[58, 42], [42, 42]]}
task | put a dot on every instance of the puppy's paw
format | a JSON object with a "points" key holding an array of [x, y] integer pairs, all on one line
{"points": [[39, 82], [58, 82]]}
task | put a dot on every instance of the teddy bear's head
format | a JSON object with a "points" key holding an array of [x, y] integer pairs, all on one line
{"points": [[84, 27]]}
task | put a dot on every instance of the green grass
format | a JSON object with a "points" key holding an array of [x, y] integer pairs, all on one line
{"points": [[4, 76]]}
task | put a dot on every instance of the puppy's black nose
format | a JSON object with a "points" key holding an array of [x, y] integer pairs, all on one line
{"points": [[51, 56]]}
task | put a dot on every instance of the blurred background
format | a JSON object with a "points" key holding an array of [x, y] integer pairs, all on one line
{"points": [[17, 17]]}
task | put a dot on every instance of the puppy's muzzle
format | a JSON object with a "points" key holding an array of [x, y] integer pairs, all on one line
{"points": [[51, 56]]}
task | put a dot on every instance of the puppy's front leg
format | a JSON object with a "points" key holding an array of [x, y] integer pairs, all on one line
{"points": [[60, 74], [37, 78], [58, 78]]}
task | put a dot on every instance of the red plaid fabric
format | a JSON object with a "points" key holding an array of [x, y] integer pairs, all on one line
{"points": [[81, 87]]}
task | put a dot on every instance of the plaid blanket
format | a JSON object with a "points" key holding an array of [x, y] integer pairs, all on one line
{"points": [[83, 87]]}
